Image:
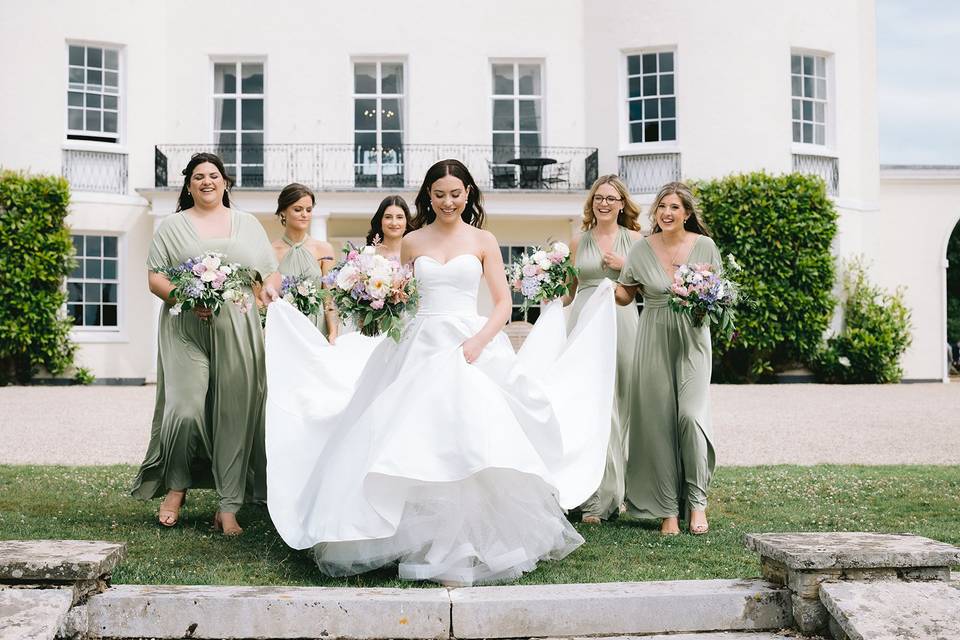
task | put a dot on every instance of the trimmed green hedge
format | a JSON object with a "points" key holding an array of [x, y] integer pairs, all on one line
{"points": [[36, 255], [780, 229], [876, 332], [953, 286]]}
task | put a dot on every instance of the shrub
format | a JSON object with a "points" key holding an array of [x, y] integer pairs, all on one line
{"points": [[876, 332], [953, 286], [780, 228], [36, 254]]}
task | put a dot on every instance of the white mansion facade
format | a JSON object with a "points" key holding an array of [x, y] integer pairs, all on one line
{"points": [[357, 100]]}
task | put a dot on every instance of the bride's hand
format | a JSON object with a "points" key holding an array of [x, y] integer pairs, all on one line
{"points": [[472, 348]]}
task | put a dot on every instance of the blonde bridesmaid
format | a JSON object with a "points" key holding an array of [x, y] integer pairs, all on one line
{"points": [[609, 228], [671, 455], [299, 254]]}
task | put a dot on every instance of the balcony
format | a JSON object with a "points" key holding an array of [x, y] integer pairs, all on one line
{"points": [[827, 167], [97, 171], [646, 173], [349, 167]]}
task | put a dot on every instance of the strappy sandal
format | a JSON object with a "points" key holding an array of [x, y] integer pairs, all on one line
{"points": [[667, 534], [699, 529], [170, 514], [234, 530]]}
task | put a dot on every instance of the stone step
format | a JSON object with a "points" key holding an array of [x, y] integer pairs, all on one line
{"points": [[58, 561], [32, 614], [710, 635], [619, 608], [894, 609]]}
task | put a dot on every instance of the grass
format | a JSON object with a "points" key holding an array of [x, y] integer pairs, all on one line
{"points": [[92, 503]]}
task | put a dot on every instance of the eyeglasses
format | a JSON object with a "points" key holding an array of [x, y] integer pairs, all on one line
{"points": [[607, 199]]}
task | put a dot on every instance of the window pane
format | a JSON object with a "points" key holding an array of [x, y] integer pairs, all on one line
{"points": [[74, 292], [110, 102], [808, 65], [529, 115], [503, 115], [110, 246], [74, 99], [93, 247], [224, 78], [821, 89], [390, 119], [76, 55], [636, 109], [251, 77], [227, 149], [108, 292], [91, 290], [110, 121], [529, 145], [668, 130], [110, 269], [109, 315], [649, 63], [93, 268], [819, 112], [95, 57], [808, 87], [666, 61], [225, 114], [636, 132], [807, 132], [111, 79], [93, 100], [808, 110], [650, 107], [365, 77], [633, 65], [651, 132], [93, 121], [251, 148], [503, 148], [251, 176], [796, 86], [795, 114], [666, 84], [392, 77], [529, 79], [112, 59], [75, 119], [251, 110], [649, 85], [365, 114], [819, 131], [76, 76], [668, 107], [76, 311], [94, 77], [77, 271], [635, 85], [78, 244], [821, 69], [796, 132], [503, 79], [91, 315]]}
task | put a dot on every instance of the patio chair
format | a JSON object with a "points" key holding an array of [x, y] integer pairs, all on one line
{"points": [[557, 175], [502, 177]]}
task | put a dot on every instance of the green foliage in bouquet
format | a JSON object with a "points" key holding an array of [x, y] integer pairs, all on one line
{"points": [[781, 229], [36, 255], [876, 332]]}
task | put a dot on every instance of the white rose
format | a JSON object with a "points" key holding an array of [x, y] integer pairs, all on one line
{"points": [[538, 256], [211, 263], [561, 248], [346, 278], [175, 309], [230, 295], [225, 270], [369, 250], [208, 276], [379, 285]]}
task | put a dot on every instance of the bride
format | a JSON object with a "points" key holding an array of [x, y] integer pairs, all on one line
{"points": [[446, 453]]}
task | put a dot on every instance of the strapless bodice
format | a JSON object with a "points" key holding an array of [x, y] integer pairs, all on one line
{"points": [[448, 288]]}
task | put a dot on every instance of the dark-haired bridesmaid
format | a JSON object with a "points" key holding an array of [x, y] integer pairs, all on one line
{"points": [[388, 226], [210, 369], [300, 255]]}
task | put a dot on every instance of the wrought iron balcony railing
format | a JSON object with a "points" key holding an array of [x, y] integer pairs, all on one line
{"points": [[646, 173], [99, 171], [348, 166], [827, 167]]}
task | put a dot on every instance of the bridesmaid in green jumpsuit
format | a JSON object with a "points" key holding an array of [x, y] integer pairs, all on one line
{"points": [[210, 369], [671, 455], [610, 228], [297, 253]]}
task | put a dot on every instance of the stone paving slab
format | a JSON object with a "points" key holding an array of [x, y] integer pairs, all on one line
{"points": [[618, 608], [711, 635], [138, 611], [894, 610], [32, 614], [58, 560], [852, 550]]}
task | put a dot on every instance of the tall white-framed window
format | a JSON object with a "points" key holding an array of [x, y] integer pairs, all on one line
{"points": [[93, 287], [238, 118], [516, 94], [651, 91], [378, 103], [94, 94], [809, 98]]}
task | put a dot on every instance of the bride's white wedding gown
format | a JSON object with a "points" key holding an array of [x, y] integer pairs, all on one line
{"points": [[379, 452]]}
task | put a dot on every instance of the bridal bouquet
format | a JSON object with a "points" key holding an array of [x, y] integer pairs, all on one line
{"points": [[208, 281], [703, 293], [372, 291], [543, 274], [304, 293]]}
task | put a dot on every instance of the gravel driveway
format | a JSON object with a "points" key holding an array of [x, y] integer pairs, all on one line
{"points": [[760, 424]]}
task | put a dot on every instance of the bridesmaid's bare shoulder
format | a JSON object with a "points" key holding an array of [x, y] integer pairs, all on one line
{"points": [[321, 249]]}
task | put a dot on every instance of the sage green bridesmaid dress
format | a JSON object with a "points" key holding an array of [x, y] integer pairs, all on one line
{"points": [[589, 260], [298, 261], [211, 384], [671, 456]]}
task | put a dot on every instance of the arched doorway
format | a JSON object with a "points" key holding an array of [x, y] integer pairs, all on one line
{"points": [[953, 299]]}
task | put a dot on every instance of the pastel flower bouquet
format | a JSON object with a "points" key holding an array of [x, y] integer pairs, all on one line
{"points": [[373, 291], [705, 293], [208, 281], [304, 292], [542, 274]]}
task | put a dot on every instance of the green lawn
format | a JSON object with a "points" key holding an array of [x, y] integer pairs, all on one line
{"points": [[92, 503]]}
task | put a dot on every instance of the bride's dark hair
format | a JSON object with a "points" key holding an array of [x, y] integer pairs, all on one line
{"points": [[473, 211]]}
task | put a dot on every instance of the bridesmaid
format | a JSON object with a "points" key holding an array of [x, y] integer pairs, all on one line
{"points": [[610, 228], [210, 369], [671, 455], [388, 226], [297, 253]]}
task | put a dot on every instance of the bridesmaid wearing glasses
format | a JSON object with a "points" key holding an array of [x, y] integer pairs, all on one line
{"points": [[609, 228], [671, 458]]}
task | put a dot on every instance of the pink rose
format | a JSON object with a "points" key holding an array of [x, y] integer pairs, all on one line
{"points": [[199, 268], [377, 304]]}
